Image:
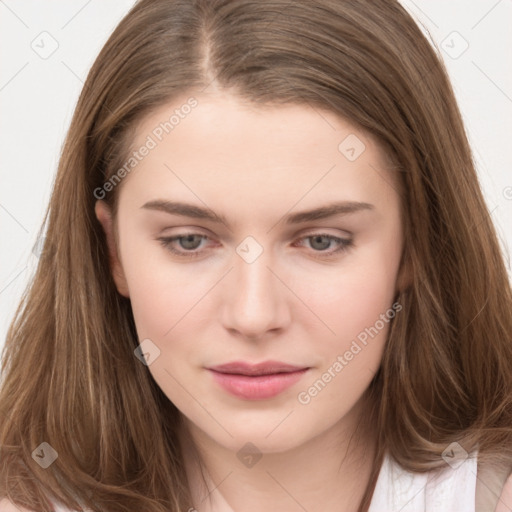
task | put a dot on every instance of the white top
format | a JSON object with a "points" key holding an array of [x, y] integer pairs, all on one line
{"points": [[445, 490]]}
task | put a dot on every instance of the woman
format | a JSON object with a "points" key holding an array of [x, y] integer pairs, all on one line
{"points": [[269, 277]]}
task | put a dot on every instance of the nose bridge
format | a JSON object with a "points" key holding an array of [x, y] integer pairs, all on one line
{"points": [[254, 280], [254, 303]]}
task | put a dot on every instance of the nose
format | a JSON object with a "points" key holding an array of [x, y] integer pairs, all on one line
{"points": [[255, 301]]}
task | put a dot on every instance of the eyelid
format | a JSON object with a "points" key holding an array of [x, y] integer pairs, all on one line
{"points": [[195, 230], [324, 231]]}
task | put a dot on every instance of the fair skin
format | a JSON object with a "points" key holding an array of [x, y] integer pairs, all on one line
{"points": [[292, 303], [298, 302]]}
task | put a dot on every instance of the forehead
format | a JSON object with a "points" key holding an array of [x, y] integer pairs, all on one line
{"points": [[223, 146], [234, 122]]}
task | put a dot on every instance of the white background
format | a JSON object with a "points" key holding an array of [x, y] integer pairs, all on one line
{"points": [[38, 95]]}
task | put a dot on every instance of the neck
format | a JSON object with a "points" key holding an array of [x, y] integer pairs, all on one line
{"points": [[329, 472]]}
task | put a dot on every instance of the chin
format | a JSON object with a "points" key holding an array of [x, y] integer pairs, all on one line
{"points": [[263, 435]]}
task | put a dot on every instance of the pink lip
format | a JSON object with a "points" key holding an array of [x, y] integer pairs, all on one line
{"points": [[258, 381]]}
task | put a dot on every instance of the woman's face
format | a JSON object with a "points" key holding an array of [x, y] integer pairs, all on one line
{"points": [[271, 281]]}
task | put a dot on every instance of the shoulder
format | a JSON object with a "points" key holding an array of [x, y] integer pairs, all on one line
{"points": [[505, 501], [8, 506]]}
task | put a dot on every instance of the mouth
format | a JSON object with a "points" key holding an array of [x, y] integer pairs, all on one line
{"points": [[256, 381], [264, 368]]}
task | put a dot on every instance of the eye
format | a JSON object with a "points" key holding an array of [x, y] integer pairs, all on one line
{"points": [[322, 241], [189, 243]]}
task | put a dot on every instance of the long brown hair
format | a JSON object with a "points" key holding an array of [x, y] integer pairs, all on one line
{"points": [[69, 374]]}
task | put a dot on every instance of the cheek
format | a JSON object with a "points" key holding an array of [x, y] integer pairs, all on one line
{"points": [[350, 299], [162, 300], [162, 292], [358, 306]]}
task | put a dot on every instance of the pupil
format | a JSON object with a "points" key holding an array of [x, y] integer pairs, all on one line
{"points": [[319, 238], [187, 240]]}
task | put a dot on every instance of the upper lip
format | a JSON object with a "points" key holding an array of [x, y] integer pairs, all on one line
{"points": [[264, 368]]}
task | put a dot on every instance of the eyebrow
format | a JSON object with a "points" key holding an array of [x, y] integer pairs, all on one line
{"points": [[197, 212]]}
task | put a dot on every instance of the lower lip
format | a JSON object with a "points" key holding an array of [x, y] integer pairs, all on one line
{"points": [[257, 387]]}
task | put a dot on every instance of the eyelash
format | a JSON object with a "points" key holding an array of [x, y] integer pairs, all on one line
{"points": [[345, 244]]}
